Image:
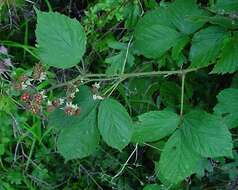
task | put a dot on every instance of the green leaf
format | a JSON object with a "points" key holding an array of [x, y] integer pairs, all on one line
{"points": [[170, 93], [15, 177], [155, 34], [2, 149], [84, 99], [178, 160], [229, 56], [61, 40], [115, 124], [131, 14], [152, 187], [227, 107], [223, 6], [117, 61], [161, 29], [207, 135], [79, 140], [206, 45], [224, 21], [155, 125], [180, 13], [178, 47], [200, 135], [79, 136], [154, 40]]}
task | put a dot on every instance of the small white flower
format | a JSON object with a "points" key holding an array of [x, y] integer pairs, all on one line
{"points": [[42, 77], [61, 101], [74, 106], [72, 95], [96, 97], [28, 82], [24, 86], [68, 104], [49, 103], [96, 85], [43, 94]]}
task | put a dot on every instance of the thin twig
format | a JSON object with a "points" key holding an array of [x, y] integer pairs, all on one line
{"points": [[182, 94], [104, 77], [91, 177], [30, 154], [151, 146], [126, 57], [124, 165]]}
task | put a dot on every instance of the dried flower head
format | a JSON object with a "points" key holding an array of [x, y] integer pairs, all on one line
{"points": [[22, 78], [25, 97], [38, 72], [38, 98], [69, 110], [35, 108], [55, 103], [17, 85]]}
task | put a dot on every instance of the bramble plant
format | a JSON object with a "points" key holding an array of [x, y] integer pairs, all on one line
{"points": [[145, 80]]}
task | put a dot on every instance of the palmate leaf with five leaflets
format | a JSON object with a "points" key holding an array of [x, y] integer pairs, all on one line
{"points": [[61, 40]]}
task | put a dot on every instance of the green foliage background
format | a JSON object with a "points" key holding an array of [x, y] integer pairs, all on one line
{"points": [[146, 94]]}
